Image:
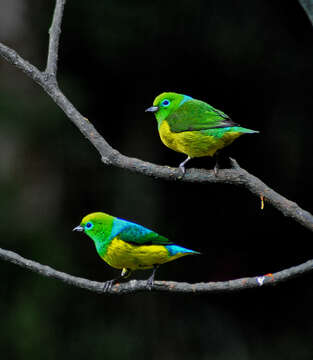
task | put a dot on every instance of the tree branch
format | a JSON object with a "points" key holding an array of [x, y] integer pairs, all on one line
{"points": [[109, 156], [235, 176], [54, 36], [134, 286], [308, 8]]}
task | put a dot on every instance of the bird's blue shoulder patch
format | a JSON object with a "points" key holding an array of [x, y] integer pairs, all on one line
{"points": [[185, 98], [130, 230], [118, 226]]}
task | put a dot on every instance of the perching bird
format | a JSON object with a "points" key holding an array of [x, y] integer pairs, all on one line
{"points": [[193, 127], [129, 246]]}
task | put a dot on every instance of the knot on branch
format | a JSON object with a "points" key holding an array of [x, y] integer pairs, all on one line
{"points": [[234, 164]]}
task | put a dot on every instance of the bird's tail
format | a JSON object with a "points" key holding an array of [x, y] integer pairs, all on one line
{"points": [[176, 249], [244, 130]]}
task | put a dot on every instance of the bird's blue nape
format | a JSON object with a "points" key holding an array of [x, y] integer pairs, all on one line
{"points": [[129, 228], [185, 98], [175, 249]]}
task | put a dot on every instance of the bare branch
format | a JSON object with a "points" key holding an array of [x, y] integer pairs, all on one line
{"points": [[54, 37], [134, 286], [15, 59], [235, 176], [308, 8]]}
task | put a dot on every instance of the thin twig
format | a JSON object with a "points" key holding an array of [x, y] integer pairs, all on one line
{"points": [[308, 8], [54, 38], [134, 286]]}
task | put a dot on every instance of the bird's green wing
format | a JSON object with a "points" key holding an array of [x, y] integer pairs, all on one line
{"points": [[197, 115], [137, 234]]}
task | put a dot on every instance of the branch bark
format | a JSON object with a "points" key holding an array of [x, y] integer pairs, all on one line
{"points": [[308, 8], [134, 286], [54, 37], [109, 156]]}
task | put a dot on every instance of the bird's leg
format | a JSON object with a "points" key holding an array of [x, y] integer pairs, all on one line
{"points": [[108, 284], [150, 281], [125, 273], [216, 166], [182, 165]]}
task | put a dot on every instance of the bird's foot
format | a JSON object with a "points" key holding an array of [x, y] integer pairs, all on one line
{"points": [[182, 170], [150, 282], [107, 286], [217, 165], [182, 166], [216, 169]]}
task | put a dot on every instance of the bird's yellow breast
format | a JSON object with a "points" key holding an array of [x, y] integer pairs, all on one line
{"points": [[194, 143], [120, 254]]}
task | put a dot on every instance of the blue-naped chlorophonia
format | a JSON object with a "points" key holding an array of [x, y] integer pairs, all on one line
{"points": [[128, 246], [193, 127]]}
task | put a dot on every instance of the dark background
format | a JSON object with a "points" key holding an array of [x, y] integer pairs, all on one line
{"points": [[254, 61]]}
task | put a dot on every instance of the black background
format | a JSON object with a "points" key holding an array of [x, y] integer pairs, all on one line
{"points": [[252, 60]]}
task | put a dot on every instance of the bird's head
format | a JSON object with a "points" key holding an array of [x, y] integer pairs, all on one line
{"points": [[165, 104], [96, 225]]}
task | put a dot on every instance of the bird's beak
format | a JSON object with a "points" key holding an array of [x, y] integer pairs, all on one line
{"points": [[152, 109], [78, 228]]}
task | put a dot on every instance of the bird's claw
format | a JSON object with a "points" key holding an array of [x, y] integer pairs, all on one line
{"points": [[182, 170], [107, 286], [150, 283], [182, 166], [216, 169]]}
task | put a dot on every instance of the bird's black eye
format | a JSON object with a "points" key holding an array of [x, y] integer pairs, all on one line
{"points": [[89, 225], [165, 102]]}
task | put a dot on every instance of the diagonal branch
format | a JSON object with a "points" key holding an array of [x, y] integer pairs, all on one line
{"points": [[134, 286], [235, 176], [308, 8], [15, 59]]}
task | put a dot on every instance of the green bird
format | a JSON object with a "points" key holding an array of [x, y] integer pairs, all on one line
{"points": [[193, 127], [128, 246]]}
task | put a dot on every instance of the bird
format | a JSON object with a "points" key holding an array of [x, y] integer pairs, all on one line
{"points": [[129, 246], [193, 127]]}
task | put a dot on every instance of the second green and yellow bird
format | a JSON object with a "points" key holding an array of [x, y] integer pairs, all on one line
{"points": [[193, 127], [128, 246]]}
